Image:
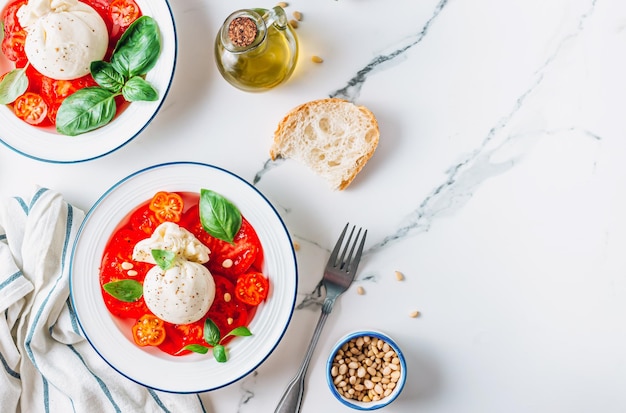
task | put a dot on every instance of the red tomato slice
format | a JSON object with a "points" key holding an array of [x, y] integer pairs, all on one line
{"points": [[31, 108], [123, 14], [13, 48], [149, 330], [226, 312], [144, 220], [9, 16], [167, 206], [252, 288], [226, 258], [181, 335], [55, 91], [117, 264]]}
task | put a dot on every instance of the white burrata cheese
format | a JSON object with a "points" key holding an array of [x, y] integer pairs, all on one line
{"points": [[180, 295], [183, 293], [172, 237], [63, 37]]}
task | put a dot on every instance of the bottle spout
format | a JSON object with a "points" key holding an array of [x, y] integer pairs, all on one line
{"points": [[278, 17]]}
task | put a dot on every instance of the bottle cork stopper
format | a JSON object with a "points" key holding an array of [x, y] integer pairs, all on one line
{"points": [[242, 31]]}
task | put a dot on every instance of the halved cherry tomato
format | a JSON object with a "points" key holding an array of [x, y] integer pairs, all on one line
{"points": [[252, 288], [9, 16], [149, 330], [167, 206], [123, 13], [226, 258], [31, 108]]}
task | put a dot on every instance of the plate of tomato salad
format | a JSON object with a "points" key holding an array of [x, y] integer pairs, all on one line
{"points": [[255, 278], [28, 122]]}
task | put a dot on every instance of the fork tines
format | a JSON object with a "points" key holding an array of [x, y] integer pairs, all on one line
{"points": [[350, 263]]}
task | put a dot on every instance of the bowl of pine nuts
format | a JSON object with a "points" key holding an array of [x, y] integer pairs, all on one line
{"points": [[366, 370]]}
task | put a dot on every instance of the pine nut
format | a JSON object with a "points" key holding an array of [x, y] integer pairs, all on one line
{"points": [[293, 23], [132, 273], [360, 290], [414, 314], [399, 276], [317, 59], [127, 265]]}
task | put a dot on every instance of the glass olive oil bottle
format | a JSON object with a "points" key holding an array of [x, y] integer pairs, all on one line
{"points": [[256, 49]]}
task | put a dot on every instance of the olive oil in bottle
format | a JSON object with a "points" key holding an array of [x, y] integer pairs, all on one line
{"points": [[256, 49]]}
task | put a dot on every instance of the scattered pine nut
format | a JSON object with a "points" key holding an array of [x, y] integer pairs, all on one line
{"points": [[227, 297], [296, 245], [297, 15], [360, 290], [127, 265], [132, 273], [316, 59], [399, 276], [227, 263], [283, 4], [414, 314], [293, 23]]}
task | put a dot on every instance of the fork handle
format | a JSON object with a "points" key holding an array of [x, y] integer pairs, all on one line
{"points": [[292, 398]]}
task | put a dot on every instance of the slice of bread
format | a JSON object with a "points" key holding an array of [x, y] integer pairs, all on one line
{"points": [[333, 137]]}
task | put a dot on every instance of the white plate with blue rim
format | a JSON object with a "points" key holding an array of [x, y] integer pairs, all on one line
{"points": [[149, 366], [46, 144]]}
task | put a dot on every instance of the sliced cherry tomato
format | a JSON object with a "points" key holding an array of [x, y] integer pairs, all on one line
{"points": [[123, 13], [226, 258], [168, 206], [31, 108], [149, 330], [252, 288]]}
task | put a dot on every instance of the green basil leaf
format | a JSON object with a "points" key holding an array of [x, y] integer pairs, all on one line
{"points": [[196, 348], [137, 89], [85, 110], [13, 86], [138, 49], [219, 217], [211, 332], [219, 352], [124, 290], [106, 76], [164, 258], [239, 332]]}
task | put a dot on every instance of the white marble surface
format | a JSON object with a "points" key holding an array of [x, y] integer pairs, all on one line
{"points": [[497, 188]]}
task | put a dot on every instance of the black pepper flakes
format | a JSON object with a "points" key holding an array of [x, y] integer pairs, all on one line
{"points": [[242, 31]]}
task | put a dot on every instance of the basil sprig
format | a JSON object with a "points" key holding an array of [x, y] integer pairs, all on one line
{"points": [[136, 52], [124, 290], [212, 337], [219, 217]]}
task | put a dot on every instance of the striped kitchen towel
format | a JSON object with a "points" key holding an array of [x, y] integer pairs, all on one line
{"points": [[47, 364]]}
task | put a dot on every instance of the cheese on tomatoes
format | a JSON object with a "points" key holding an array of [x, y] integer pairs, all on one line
{"points": [[184, 292], [63, 37], [180, 295], [172, 237]]}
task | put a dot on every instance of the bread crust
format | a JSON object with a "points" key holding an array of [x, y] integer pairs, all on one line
{"points": [[333, 137]]}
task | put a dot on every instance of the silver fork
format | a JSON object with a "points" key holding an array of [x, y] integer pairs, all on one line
{"points": [[338, 275]]}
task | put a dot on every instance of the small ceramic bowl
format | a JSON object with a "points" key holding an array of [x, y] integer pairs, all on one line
{"points": [[354, 385]]}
